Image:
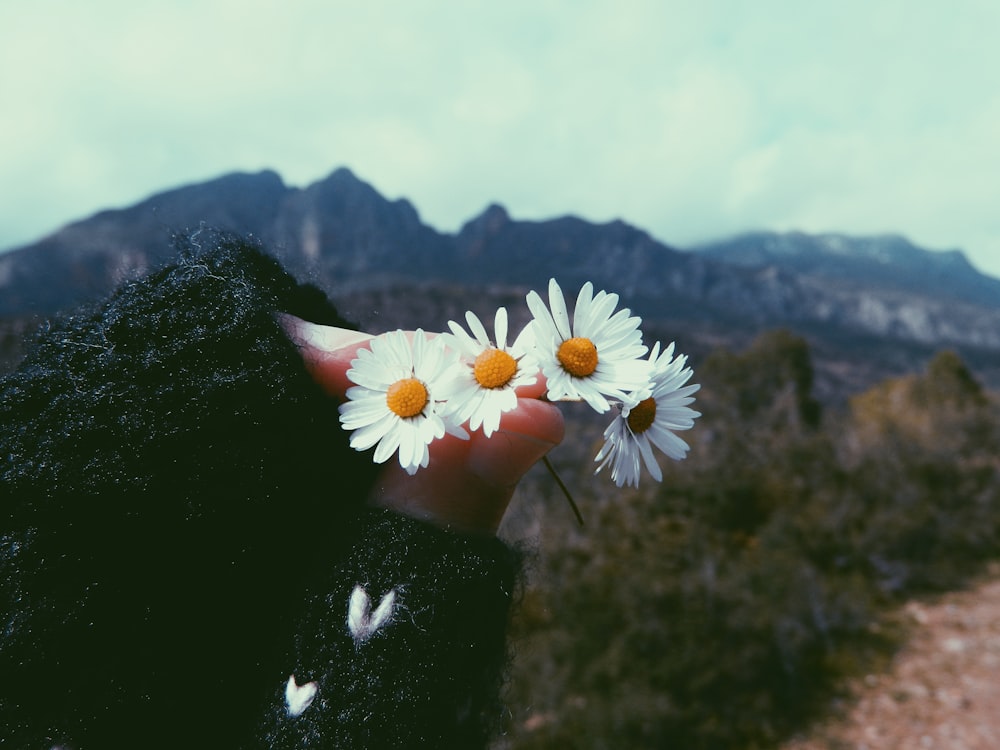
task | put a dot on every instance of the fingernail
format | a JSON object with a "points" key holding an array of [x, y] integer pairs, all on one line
{"points": [[315, 336]]}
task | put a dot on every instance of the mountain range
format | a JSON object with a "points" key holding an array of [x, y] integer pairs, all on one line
{"points": [[870, 306]]}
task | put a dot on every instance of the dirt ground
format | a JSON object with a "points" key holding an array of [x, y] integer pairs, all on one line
{"points": [[941, 690]]}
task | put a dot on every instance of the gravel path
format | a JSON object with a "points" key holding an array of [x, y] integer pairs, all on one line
{"points": [[942, 690]]}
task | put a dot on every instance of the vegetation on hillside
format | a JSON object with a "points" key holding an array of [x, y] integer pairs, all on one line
{"points": [[723, 607]]}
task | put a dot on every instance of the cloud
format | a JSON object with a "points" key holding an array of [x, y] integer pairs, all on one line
{"points": [[690, 119]]}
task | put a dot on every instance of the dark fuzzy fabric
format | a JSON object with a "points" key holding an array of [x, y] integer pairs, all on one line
{"points": [[180, 518], [429, 677]]}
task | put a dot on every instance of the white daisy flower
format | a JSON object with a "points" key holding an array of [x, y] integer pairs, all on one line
{"points": [[596, 355], [648, 419], [489, 372], [395, 404]]}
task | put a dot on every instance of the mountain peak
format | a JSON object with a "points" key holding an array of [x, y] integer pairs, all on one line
{"points": [[342, 174], [493, 215], [343, 234], [493, 218]]}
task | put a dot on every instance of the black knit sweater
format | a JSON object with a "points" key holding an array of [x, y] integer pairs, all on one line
{"points": [[185, 556]]}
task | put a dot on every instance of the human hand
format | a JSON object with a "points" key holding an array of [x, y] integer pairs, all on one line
{"points": [[467, 484]]}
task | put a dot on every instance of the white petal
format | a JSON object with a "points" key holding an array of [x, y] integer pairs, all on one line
{"points": [[410, 447], [582, 310], [667, 442], [560, 317], [595, 316], [390, 349], [477, 328], [389, 443], [455, 430], [524, 342], [363, 410], [374, 375], [418, 352], [500, 328], [596, 400], [559, 382], [654, 353], [365, 437], [544, 327], [648, 458], [463, 341]]}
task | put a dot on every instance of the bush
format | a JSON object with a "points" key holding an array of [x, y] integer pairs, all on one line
{"points": [[723, 608]]}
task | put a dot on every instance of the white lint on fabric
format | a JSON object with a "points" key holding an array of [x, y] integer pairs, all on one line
{"points": [[361, 621], [299, 697]]}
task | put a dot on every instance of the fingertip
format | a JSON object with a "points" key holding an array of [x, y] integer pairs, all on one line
{"points": [[327, 351], [535, 390], [537, 419]]}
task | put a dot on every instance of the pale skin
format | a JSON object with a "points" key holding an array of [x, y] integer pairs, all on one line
{"points": [[468, 484]]}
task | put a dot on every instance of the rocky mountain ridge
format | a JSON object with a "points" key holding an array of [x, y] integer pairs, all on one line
{"points": [[344, 236], [888, 261]]}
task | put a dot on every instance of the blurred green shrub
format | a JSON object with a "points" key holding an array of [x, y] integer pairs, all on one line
{"points": [[722, 608]]}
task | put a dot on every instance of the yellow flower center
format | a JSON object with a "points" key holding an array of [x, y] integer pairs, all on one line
{"points": [[494, 368], [578, 357], [641, 416], [406, 397]]}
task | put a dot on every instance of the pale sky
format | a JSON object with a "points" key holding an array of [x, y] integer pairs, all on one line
{"points": [[691, 119]]}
